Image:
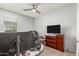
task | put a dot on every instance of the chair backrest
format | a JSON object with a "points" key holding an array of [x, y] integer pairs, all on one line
{"points": [[27, 40], [7, 41]]}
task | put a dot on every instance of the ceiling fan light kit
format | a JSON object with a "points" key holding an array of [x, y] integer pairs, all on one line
{"points": [[34, 8]]}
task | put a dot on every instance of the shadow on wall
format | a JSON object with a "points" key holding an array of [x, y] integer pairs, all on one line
{"points": [[69, 40], [70, 43]]}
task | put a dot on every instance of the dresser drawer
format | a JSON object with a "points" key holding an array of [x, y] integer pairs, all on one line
{"points": [[50, 44], [50, 37]]}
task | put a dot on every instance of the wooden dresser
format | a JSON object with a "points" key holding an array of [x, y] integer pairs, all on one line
{"points": [[56, 42]]}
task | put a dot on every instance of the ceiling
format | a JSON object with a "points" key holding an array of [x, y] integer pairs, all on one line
{"points": [[43, 8]]}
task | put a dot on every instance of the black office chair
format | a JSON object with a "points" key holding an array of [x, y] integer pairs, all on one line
{"points": [[7, 44], [37, 44]]}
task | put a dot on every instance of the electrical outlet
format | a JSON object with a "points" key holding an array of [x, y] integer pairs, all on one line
{"points": [[67, 50]]}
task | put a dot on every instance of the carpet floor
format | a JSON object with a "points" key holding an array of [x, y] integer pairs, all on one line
{"points": [[53, 52]]}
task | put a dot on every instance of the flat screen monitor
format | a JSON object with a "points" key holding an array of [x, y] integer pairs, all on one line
{"points": [[54, 29]]}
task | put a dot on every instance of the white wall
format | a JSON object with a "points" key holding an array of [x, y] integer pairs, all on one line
{"points": [[23, 23], [67, 18], [78, 21], [78, 29]]}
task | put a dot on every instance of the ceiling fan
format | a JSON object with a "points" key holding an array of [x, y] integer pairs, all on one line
{"points": [[34, 8]]}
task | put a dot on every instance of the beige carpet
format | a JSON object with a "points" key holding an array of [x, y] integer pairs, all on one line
{"points": [[53, 52]]}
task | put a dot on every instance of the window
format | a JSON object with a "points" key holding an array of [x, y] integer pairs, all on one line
{"points": [[10, 26]]}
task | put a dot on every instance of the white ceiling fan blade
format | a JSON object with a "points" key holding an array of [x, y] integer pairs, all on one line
{"points": [[37, 11], [27, 9]]}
